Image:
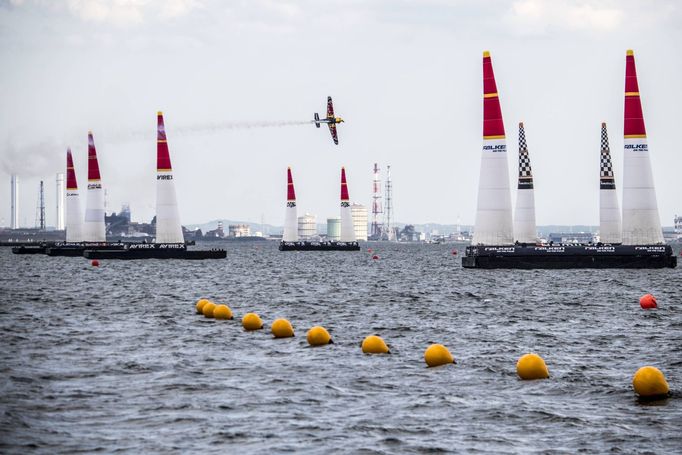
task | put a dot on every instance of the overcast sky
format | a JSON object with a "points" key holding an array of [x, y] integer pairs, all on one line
{"points": [[406, 76]]}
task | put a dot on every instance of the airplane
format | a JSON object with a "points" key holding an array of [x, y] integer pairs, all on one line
{"points": [[331, 121]]}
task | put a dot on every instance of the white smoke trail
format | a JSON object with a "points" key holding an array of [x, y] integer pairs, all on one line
{"points": [[218, 126], [46, 156], [209, 128]]}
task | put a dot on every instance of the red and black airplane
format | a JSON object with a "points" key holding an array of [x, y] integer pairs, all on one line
{"points": [[330, 120]]}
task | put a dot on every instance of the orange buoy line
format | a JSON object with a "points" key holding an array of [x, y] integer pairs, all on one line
{"points": [[648, 383]]}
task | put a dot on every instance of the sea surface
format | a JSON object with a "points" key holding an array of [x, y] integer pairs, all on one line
{"points": [[115, 359]]}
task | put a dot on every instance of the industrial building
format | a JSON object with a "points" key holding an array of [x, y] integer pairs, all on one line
{"points": [[307, 226], [239, 230], [360, 219], [333, 228]]}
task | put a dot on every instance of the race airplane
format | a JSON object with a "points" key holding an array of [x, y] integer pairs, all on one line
{"points": [[331, 121]]}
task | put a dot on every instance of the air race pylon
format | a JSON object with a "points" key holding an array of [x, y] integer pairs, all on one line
{"points": [[493, 215], [290, 216], [74, 216], [610, 228], [168, 227], [524, 214], [641, 222], [94, 229], [347, 228]]}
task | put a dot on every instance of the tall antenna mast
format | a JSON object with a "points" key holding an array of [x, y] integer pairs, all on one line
{"points": [[40, 209], [377, 209], [389, 205]]}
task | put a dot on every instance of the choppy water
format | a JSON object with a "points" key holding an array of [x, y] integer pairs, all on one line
{"points": [[115, 359]]}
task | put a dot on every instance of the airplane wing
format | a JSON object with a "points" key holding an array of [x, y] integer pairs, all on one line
{"points": [[330, 107], [332, 130]]}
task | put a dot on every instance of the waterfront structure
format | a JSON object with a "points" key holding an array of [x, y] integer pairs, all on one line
{"points": [[359, 213], [94, 229], [169, 242], [238, 230], [610, 228], [307, 226], [525, 230], [333, 229], [493, 214], [642, 237], [641, 222]]}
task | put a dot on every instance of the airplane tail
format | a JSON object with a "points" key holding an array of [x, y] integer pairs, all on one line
{"points": [[317, 119]]}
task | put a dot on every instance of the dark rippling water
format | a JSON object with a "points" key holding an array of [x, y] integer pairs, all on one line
{"points": [[115, 359]]}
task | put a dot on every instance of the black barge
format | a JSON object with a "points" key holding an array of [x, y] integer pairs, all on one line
{"points": [[549, 256], [319, 246], [31, 249], [76, 249], [156, 251]]}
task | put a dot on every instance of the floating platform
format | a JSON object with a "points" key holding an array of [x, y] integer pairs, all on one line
{"points": [[319, 246], [77, 249], [29, 249], [597, 256], [155, 251]]}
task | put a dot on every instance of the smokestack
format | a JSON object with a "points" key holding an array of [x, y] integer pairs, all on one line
{"points": [[15, 202], [59, 224]]}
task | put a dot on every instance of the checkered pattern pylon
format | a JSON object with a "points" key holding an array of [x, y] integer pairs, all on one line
{"points": [[525, 171], [606, 178]]}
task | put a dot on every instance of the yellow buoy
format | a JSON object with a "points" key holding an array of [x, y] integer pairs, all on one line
{"points": [[208, 309], [437, 354], [649, 382], [200, 305], [282, 328], [222, 312], [374, 345], [531, 366], [251, 321], [318, 336]]}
